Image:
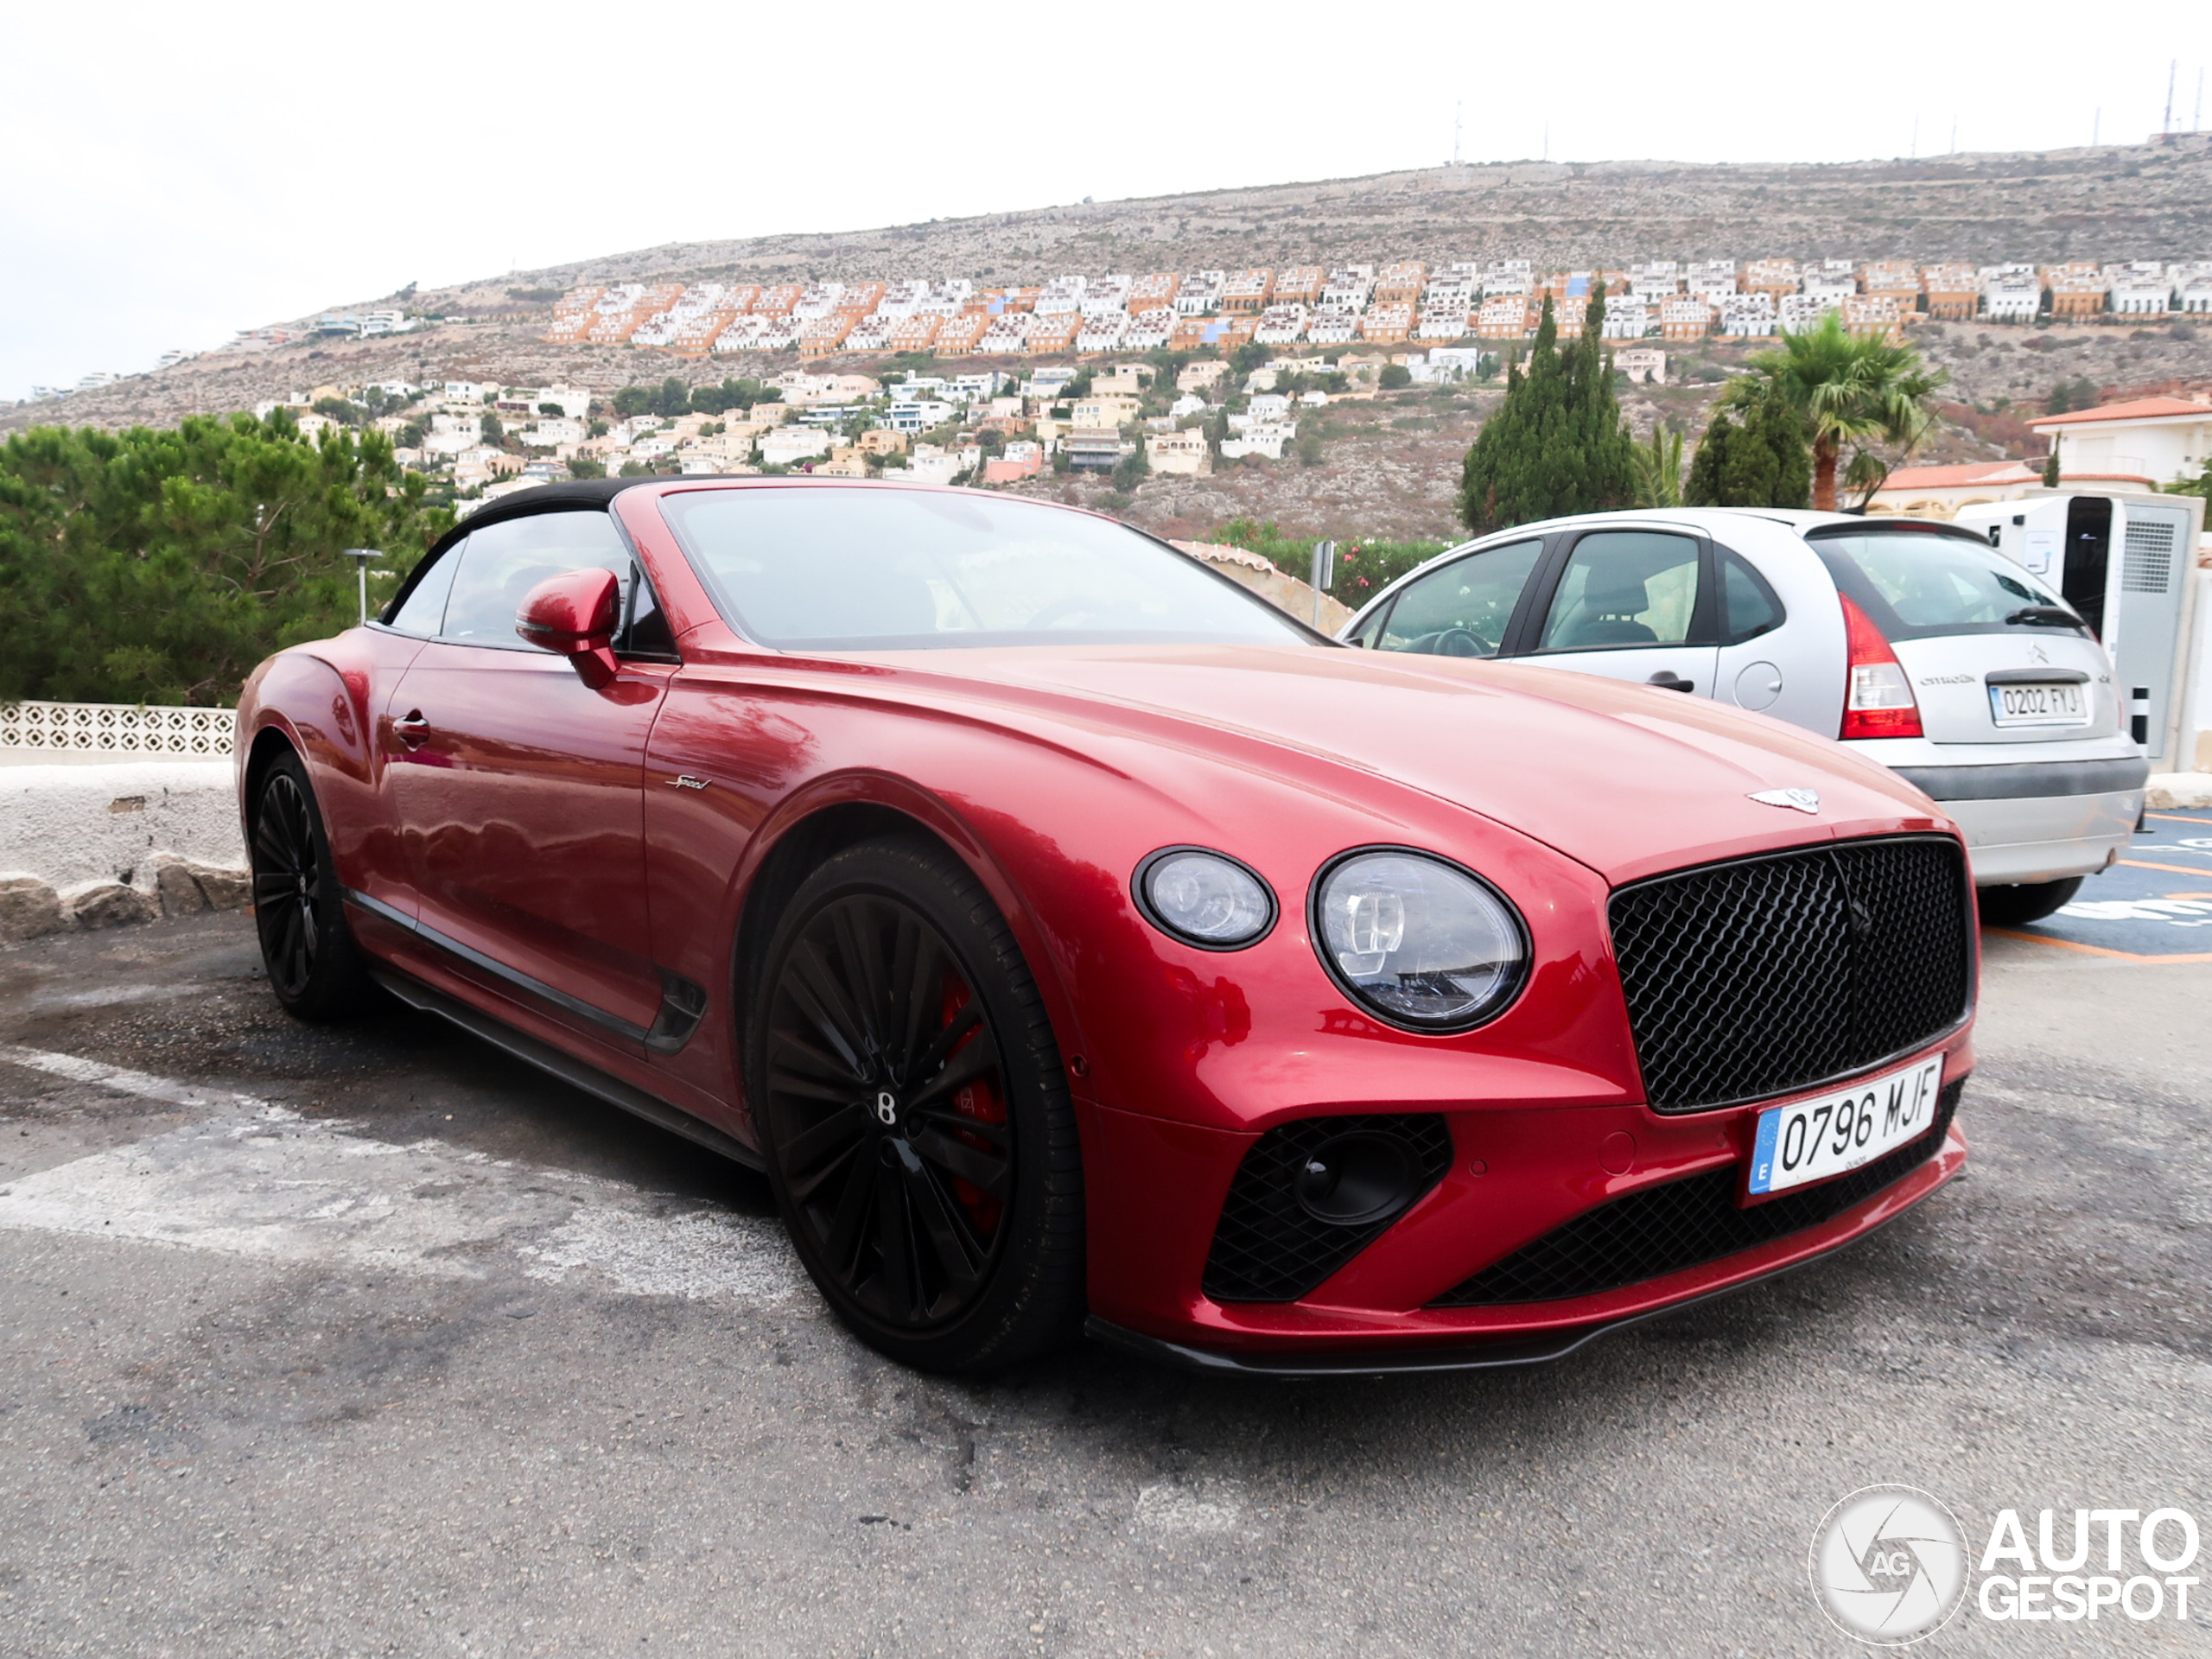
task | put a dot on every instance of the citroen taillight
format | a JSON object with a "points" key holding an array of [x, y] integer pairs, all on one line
{"points": [[1878, 700]]}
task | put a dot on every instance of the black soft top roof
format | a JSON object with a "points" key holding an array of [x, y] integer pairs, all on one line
{"points": [[579, 495]]}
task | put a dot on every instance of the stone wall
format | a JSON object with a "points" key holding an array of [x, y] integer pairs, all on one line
{"points": [[90, 845]]}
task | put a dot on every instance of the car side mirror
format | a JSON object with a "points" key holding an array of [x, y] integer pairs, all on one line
{"points": [[574, 615]]}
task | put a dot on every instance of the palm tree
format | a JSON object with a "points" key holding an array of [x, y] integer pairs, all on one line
{"points": [[1659, 469], [1851, 391]]}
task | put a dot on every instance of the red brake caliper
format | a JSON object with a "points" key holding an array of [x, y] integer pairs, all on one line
{"points": [[982, 1100]]}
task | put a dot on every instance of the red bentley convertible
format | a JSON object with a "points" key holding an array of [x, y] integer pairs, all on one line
{"points": [[1070, 934]]}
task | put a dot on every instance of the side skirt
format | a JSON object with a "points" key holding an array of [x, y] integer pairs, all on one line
{"points": [[567, 1067], [681, 1003]]}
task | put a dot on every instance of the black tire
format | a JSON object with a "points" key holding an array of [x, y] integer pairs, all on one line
{"points": [[314, 966], [2016, 907], [909, 1097]]}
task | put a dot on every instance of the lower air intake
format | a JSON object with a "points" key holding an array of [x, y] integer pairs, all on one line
{"points": [[1663, 1229]]}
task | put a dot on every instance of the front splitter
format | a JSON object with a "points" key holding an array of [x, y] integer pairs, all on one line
{"points": [[1496, 1354]]}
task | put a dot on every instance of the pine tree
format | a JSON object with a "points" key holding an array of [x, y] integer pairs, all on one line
{"points": [[1557, 444]]}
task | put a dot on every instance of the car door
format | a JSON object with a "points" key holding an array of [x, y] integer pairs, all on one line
{"points": [[518, 785], [1630, 604], [1463, 608], [357, 810]]}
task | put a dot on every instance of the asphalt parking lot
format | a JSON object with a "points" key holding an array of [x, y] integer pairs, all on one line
{"points": [[374, 1342]]}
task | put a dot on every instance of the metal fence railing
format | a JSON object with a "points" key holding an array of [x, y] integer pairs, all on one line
{"points": [[118, 728]]}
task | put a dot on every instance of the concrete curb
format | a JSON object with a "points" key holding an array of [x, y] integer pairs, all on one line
{"points": [[2178, 792]]}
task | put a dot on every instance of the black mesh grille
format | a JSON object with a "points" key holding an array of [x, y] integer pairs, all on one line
{"points": [[1664, 1229], [1266, 1247], [1767, 976]]}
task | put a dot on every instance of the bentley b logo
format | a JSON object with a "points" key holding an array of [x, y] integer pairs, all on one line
{"points": [[1804, 800]]}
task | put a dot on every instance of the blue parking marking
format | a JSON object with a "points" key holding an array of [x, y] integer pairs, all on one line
{"points": [[2154, 905]]}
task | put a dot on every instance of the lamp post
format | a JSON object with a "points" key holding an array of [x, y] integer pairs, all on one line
{"points": [[361, 556], [1325, 575]]}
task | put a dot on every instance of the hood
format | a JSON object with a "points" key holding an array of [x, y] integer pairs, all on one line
{"points": [[1625, 779]]}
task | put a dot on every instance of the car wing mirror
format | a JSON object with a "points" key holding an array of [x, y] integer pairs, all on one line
{"points": [[574, 615]]}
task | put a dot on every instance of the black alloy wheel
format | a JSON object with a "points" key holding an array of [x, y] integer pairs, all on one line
{"points": [[918, 1130], [287, 886], [306, 946]]}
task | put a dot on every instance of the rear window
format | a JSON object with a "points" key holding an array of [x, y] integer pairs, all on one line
{"points": [[846, 568], [1917, 584]]}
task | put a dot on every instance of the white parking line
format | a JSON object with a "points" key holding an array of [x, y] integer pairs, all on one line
{"points": [[258, 1179], [126, 1082]]}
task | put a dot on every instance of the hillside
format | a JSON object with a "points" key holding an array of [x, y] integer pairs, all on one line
{"points": [[1388, 467], [2114, 202]]}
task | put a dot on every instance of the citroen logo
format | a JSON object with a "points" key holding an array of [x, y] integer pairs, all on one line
{"points": [[887, 1107], [2038, 654], [1803, 800]]}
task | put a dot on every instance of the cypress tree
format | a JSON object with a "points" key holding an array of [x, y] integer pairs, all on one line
{"points": [[1557, 444], [1763, 462], [1710, 462]]}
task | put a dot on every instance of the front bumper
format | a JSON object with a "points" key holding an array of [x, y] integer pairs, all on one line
{"points": [[1518, 1176]]}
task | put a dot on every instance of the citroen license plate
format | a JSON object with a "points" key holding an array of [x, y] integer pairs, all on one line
{"points": [[2040, 702], [1812, 1140]]}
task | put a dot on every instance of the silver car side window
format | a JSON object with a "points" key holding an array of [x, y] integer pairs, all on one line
{"points": [[1623, 587], [1463, 609], [1752, 607]]}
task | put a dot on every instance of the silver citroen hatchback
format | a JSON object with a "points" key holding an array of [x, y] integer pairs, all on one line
{"points": [[1913, 642]]}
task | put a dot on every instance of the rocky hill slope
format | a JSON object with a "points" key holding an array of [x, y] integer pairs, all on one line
{"points": [[1387, 469], [2109, 203]]}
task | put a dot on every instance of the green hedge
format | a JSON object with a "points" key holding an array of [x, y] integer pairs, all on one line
{"points": [[1364, 567]]}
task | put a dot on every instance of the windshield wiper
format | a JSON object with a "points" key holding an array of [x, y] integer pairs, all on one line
{"points": [[2043, 616]]}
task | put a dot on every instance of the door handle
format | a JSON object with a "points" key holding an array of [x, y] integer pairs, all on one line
{"points": [[412, 729], [1667, 680]]}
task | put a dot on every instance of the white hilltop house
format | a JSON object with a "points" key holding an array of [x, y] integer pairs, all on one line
{"points": [[2161, 440]]}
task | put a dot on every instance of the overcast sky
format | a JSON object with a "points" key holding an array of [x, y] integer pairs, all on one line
{"points": [[177, 173]]}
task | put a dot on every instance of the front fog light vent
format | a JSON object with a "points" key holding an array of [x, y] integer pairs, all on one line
{"points": [[1311, 1195]]}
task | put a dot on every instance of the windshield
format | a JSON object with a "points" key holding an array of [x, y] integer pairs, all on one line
{"points": [[815, 568], [1919, 584]]}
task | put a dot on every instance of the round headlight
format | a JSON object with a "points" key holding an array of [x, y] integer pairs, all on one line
{"points": [[1419, 941], [1204, 899]]}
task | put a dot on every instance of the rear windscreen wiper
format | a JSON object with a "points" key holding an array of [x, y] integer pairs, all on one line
{"points": [[2043, 616]]}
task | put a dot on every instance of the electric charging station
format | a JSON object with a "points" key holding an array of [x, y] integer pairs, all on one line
{"points": [[2141, 603]]}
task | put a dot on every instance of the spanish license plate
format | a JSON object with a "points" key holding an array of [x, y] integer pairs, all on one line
{"points": [[2041, 703], [1812, 1140]]}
